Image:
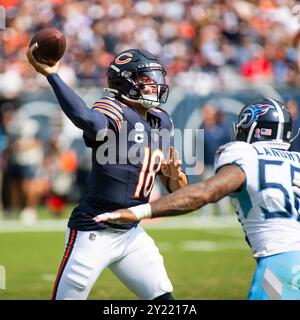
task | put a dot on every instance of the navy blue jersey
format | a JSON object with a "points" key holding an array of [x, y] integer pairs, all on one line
{"points": [[135, 152]]}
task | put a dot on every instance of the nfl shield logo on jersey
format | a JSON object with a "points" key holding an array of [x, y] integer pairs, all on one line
{"points": [[92, 236]]}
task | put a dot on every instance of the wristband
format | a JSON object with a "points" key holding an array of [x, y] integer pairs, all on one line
{"points": [[142, 211]]}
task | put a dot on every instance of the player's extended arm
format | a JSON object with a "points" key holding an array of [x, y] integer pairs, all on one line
{"points": [[90, 121], [227, 180]]}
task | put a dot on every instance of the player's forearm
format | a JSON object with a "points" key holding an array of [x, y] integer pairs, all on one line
{"points": [[228, 180], [75, 108], [180, 202]]}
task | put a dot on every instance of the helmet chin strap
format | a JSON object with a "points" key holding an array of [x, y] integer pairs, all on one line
{"points": [[148, 104], [145, 103]]}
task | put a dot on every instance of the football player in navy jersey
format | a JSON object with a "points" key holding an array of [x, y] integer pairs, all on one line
{"points": [[128, 151]]}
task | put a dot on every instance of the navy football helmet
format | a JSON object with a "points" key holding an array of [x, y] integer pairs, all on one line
{"points": [[131, 71], [265, 120]]}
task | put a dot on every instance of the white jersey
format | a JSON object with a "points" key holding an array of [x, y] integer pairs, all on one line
{"points": [[266, 206]]}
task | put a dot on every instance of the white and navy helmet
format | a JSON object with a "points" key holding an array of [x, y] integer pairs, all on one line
{"points": [[267, 121]]}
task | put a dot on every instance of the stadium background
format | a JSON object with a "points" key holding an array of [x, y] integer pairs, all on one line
{"points": [[218, 55]]}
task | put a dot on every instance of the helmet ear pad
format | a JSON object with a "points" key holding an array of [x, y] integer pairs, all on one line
{"points": [[123, 84]]}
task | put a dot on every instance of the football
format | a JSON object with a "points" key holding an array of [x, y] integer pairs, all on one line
{"points": [[49, 46]]}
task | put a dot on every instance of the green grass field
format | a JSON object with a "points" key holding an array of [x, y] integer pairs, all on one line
{"points": [[201, 263]]}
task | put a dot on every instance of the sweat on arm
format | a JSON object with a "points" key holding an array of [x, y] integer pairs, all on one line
{"points": [[88, 120]]}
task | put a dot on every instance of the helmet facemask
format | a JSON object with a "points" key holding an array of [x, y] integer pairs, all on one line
{"points": [[149, 87]]}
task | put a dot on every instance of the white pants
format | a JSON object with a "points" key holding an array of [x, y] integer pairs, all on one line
{"points": [[131, 255]]}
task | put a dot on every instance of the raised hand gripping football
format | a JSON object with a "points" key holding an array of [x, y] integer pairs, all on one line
{"points": [[46, 48], [42, 68]]}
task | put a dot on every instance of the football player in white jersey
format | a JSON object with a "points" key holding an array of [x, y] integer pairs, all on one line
{"points": [[257, 172]]}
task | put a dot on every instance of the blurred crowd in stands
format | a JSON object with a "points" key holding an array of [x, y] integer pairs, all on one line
{"points": [[206, 46]]}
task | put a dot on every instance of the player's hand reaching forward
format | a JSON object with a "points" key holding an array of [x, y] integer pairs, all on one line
{"points": [[122, 215], [41, 68]]}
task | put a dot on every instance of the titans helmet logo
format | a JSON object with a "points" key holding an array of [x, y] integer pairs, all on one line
{"points": [[252, 113]]}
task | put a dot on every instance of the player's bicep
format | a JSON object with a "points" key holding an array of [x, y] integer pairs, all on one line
{"points": [[229, 179]]}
